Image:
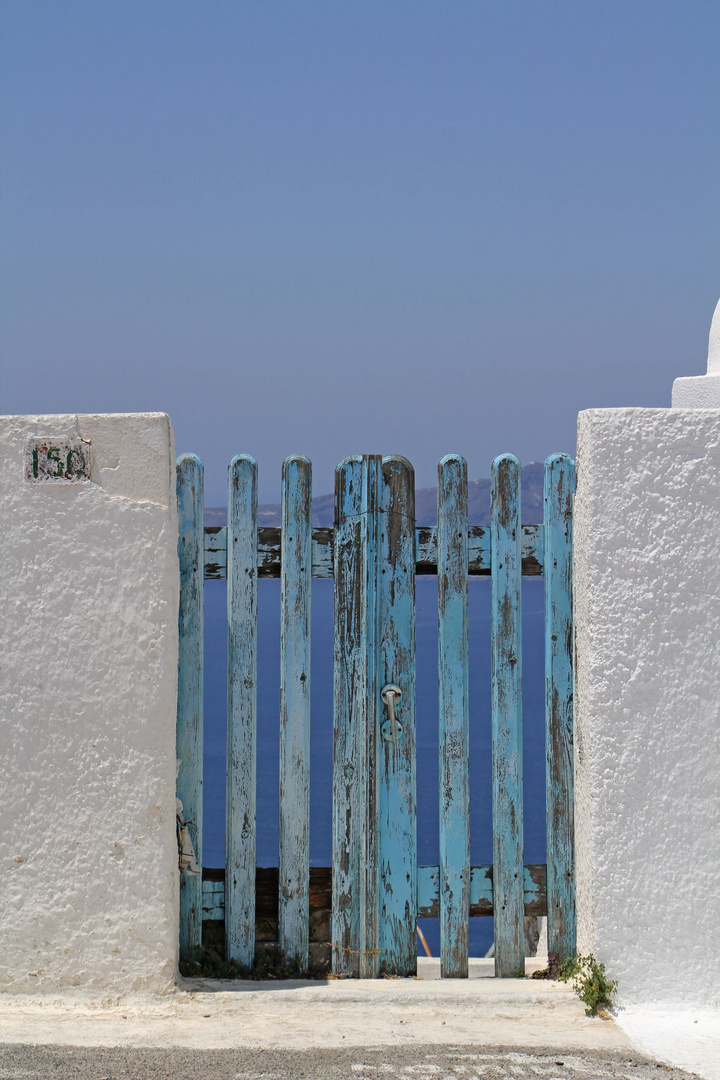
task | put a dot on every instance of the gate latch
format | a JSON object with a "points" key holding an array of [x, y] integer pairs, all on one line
{"points": [[391, 728], [186, 852]]}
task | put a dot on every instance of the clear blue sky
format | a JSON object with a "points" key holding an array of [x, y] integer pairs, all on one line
{"points": [[413, 226]]}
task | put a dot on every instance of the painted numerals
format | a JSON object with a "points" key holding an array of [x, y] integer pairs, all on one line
{"points": [[58, 461]]}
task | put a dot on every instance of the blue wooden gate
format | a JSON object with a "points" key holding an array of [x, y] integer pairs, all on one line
{"points": [[368, 903]]}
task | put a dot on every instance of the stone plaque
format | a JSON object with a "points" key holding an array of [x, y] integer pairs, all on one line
{"points": [[53, 461]]}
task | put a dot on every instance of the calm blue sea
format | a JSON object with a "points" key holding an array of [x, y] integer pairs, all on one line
{"points": [[481, 931]]}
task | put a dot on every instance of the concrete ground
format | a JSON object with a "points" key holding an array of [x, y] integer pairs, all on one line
{"points": [[405, 1028]]}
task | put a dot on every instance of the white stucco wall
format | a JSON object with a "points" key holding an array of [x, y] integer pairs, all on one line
{"points": [[88, 675], [702, 391], [647, 605]]}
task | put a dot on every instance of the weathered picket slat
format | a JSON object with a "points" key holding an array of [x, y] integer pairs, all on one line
{"points": [[295, 589], [559, 689], [355, 918], [452, 571], [241, 710], [507, 770], [396, 759], [190, 688]]}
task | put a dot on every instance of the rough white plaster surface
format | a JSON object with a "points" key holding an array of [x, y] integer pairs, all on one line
{"points": [[88, 677], [702, 391], [647, 603]]}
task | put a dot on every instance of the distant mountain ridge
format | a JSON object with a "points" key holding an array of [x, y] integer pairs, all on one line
{"points": [[323, 506]]}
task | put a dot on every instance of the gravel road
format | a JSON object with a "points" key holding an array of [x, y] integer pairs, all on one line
{"points": [[417, 1062]]}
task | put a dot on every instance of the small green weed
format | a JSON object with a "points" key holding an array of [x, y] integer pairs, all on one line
{"points": [[591, 983]]}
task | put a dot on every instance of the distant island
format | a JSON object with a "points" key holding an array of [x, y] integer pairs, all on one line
{"points": [[425, 504]]}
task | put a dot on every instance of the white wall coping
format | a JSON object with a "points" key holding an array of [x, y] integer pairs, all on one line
{"points": [[702, 391]]}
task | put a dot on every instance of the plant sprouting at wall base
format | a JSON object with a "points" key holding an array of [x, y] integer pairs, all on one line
{"points": [[590, 982]]}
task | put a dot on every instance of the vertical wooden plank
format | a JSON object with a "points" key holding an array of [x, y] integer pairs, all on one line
{"points": [[452, 550], [507, 764], [295, 590], [559, 689], [396, 760], [355, 909], [241, 710], [190, 687]]}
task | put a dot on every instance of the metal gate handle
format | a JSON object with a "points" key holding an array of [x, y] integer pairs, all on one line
{"points": [[389, 694]]}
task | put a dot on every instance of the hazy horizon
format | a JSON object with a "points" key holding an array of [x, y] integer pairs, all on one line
{"points": [[331, 228]]}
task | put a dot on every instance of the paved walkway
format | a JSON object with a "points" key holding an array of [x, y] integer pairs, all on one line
{"points": [[424, 1029], [305, 1015]]}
